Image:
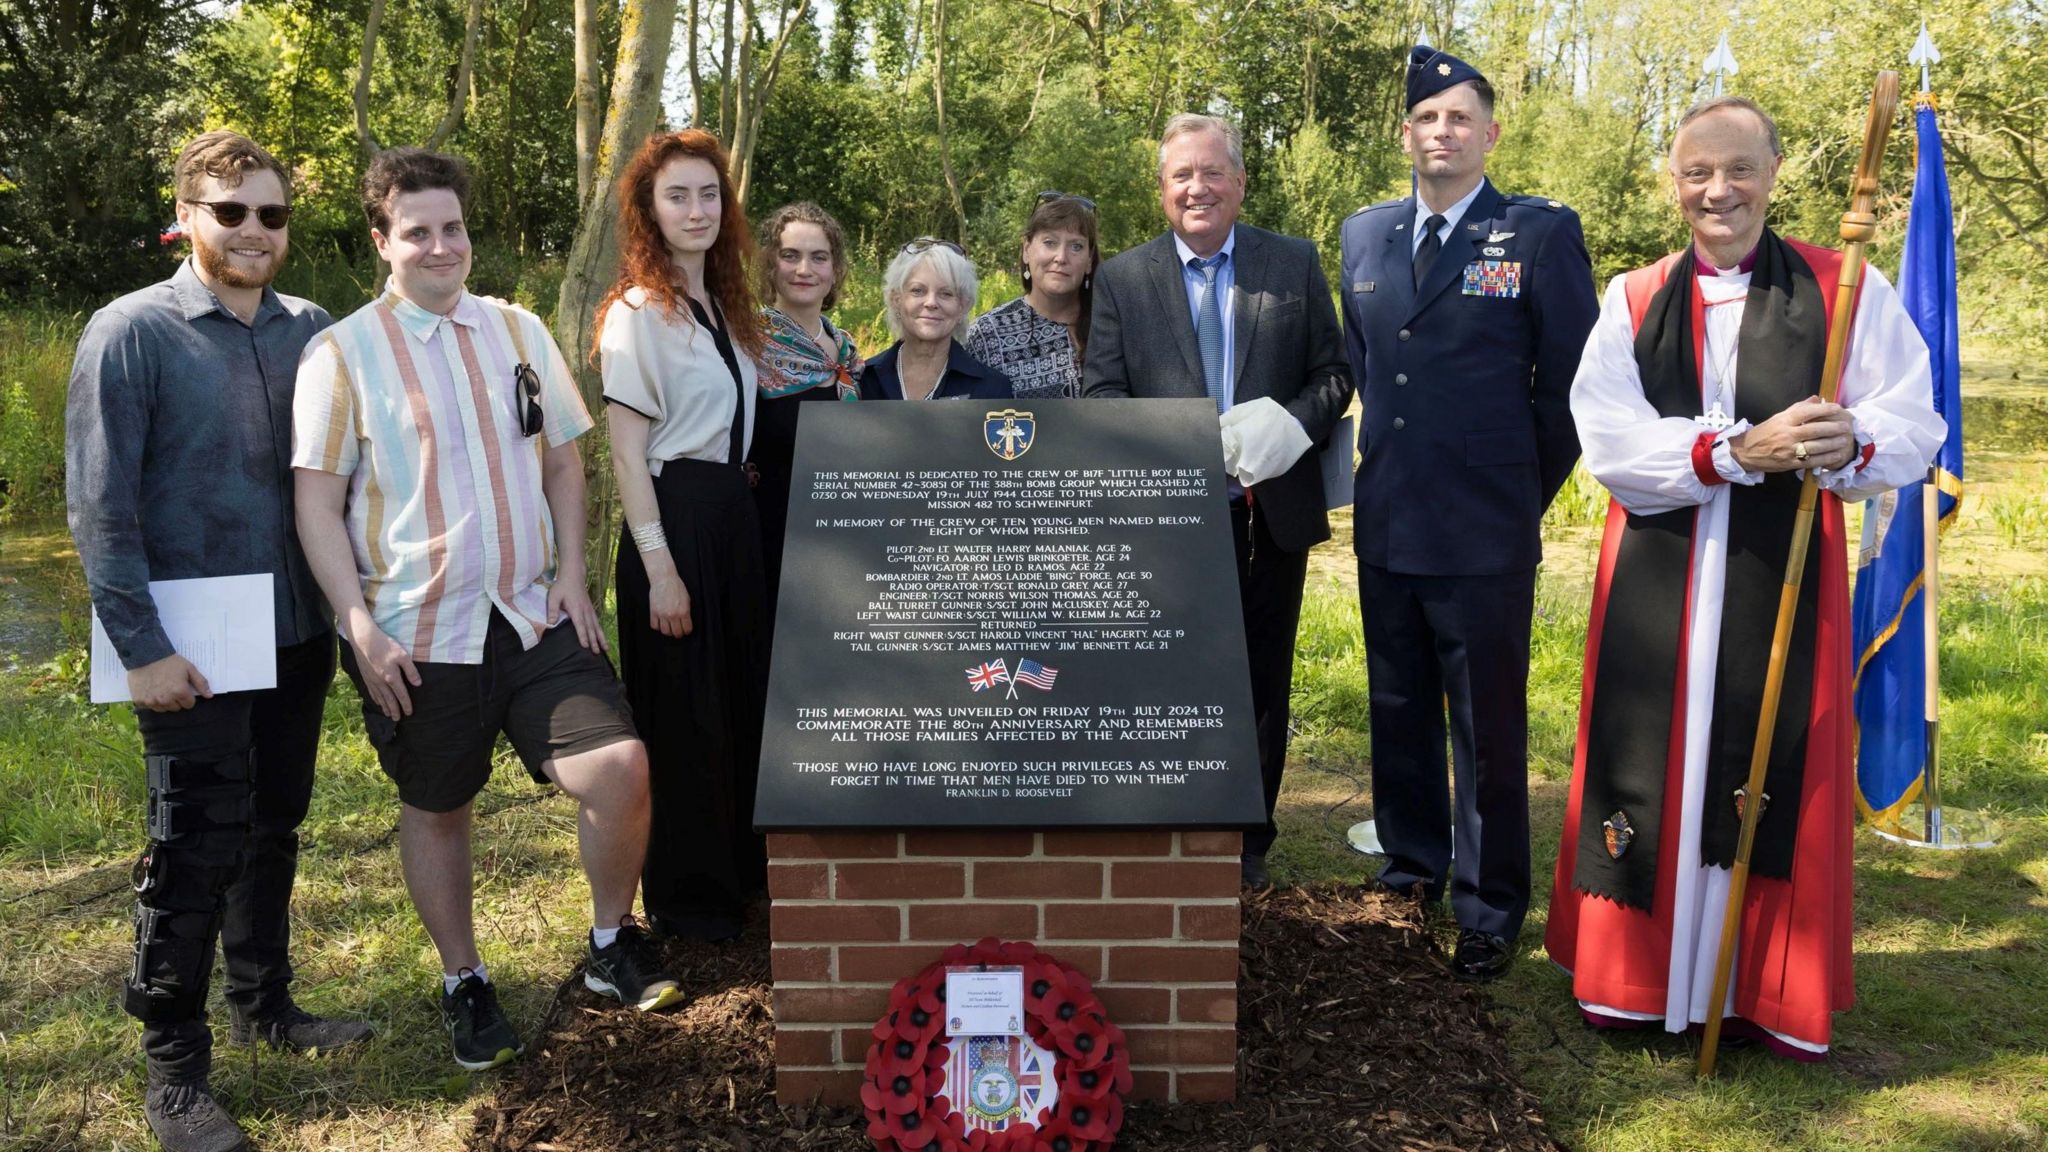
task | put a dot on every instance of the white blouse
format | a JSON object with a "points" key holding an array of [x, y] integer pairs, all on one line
{"points": [[668, 369]]}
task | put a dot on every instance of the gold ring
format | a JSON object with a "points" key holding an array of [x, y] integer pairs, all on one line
{"points": [[1799, 451]]}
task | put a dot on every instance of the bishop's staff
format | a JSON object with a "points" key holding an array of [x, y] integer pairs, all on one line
{"points": [[1859, 224]]}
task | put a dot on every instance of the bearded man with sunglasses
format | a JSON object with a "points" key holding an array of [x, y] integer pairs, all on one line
{"points": [[440, 501], [177, 461]]}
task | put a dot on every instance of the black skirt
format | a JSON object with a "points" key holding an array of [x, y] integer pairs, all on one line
{"points": [[774, 455], [698, 701]]}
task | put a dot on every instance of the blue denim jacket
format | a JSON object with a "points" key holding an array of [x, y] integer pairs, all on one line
{"points": [[177, 455]]}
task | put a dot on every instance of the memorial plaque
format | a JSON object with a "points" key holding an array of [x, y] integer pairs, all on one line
{"points": [[1009, 613]]}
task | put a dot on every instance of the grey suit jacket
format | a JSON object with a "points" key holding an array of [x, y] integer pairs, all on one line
{"points": [[1141, 342]]}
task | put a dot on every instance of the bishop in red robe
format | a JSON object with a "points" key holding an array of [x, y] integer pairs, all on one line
{"points": [[1697, 406]]}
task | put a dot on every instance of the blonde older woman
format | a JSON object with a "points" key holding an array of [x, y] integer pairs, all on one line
{"points": [[929, 288]]}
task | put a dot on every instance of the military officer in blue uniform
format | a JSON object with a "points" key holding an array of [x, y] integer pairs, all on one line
{"points": [[1465, 311]]}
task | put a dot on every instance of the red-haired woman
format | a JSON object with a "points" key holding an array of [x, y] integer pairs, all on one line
{"points": [[677, 339]]}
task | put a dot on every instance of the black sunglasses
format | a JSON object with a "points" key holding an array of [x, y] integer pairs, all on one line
{"points": [[927, 243], [528, 382], [1048, 196], [231, 213]]}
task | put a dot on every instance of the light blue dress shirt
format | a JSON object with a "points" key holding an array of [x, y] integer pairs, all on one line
{"points": [[1451, 215], [1226, 300]]}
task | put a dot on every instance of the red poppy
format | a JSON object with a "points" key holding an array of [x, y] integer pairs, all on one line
{"points": [[897, 1092], [1093, 1120], [1077, 1083], [916, 1025], [1085, 1041], [887, 1059], [1038, 985], [1056, 1134], [910, 1129]]}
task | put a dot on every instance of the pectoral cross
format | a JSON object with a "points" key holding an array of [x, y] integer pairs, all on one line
{"points": [[1716, 419]]}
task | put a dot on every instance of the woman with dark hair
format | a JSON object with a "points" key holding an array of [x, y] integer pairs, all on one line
{"points": [[676, 342], [800, 265], [1039, 338]]}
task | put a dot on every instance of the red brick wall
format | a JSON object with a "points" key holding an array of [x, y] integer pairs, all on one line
{"points": [[1150, 917]]}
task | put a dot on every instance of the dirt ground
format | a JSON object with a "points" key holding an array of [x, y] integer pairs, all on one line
{"points": [[1351, 1036]]}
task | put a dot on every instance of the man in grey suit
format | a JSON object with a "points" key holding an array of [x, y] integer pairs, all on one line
{"points": [[1243, 316]]}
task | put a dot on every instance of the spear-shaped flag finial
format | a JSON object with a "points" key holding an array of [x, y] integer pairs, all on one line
{"points": [[1924, 54], [1721, 64]]}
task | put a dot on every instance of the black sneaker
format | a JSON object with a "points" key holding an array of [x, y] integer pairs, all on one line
{"points": [[293, 1029], [186, 1118], [477, 1027], [629, 971]]}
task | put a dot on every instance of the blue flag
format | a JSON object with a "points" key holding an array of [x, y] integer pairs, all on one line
{"points": [[1890, 634]]}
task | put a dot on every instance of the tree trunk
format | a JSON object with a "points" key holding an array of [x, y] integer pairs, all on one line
{"points": [[755, 91], [725, 78], [459, 99], [510, 223], [939, 104], [589, 112], [364, 138], [696, 73], [646, 28]]}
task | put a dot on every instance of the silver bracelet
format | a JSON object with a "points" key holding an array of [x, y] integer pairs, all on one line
{"points": [[648, 537]]}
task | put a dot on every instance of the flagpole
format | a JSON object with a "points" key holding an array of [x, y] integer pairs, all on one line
{"points": [[1941, 827], [1930, 616]]}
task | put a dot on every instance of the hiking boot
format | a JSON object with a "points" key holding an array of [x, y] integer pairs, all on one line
{"points": [[186, 1118], [293, 1029], [629, 971], [477, 1027]]}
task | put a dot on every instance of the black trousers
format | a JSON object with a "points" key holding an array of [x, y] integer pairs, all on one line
{"points": [[229, 782], [1269, 583], [1464, 640], [698, 701]]}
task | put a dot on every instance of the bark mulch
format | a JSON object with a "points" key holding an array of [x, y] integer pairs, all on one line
{"points": [[1351, 1036]]}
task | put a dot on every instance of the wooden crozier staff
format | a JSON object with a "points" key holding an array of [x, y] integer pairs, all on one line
{"points": [[1859, 224]]}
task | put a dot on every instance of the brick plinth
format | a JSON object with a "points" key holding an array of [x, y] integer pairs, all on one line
{"points": [[1150, 917]]}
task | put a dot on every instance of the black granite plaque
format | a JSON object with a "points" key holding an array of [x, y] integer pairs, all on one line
{"points": [[1009, 613]]}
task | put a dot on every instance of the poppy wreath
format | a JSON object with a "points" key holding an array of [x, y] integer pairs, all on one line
{"points": [[909, 1107]]}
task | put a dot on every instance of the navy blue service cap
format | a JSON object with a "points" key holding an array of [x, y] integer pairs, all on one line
{"points": [[1431, 71]]}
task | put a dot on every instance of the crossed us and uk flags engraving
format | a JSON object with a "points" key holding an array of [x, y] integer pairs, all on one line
{"points": [[987, 675]]}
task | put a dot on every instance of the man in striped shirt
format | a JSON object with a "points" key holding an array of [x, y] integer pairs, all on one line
{"points": [[440, 502]]}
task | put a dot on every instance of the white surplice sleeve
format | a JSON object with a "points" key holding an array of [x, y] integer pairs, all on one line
{"points": [[1644, 459], [1888, 389]]}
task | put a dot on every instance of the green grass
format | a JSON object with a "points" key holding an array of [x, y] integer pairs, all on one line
{"points": [[1946, 1049], [35, 366]]}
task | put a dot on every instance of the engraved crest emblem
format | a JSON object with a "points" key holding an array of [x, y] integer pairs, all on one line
{"points": [[1009, 433], [1618, 834]]}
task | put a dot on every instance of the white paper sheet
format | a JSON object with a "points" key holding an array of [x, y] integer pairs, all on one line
{"points": [[985, 1002], [1337, 464], [225, 625]]}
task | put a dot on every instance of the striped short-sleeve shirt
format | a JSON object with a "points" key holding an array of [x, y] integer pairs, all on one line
{"points": [[422, 413]]}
